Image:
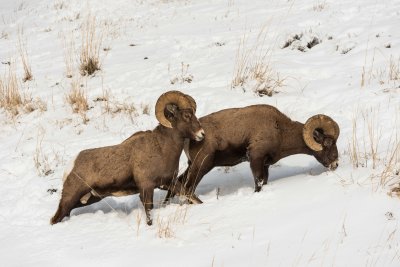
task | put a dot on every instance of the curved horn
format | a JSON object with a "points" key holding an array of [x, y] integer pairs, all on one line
{"points": [[192, 103], [323, 122], [172, 97]]}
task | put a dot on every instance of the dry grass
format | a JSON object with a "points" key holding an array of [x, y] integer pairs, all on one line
{"points": [[77, 97], [10, 92], [69, 50], [319, 6], [364, 148], [90, 47], [113, 107], [374, 135], [184, 76], [40, 159], [394, 69], [24, 57], [388, 74], [45, 162], [164, 229], [253, 67], [166, 225], [12, 99], [35, 104], [146, 109]]}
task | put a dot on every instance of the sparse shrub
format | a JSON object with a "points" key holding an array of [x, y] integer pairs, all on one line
{"points": [[184, 76], [253, 68], [303, 41], [35, 104], [114, 107]]}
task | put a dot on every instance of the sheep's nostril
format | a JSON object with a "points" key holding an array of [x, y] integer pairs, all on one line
{"points": [[200, 135], [333, 166]]}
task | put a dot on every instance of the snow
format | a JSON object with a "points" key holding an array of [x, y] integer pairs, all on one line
{"points": [[305, 216]]}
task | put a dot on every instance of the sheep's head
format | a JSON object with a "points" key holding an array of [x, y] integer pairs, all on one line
{"points": [[177, 110], [320, 134]]}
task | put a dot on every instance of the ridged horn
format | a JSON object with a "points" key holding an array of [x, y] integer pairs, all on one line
{"points": [[180, 99], [192, 103], [323, 122]]}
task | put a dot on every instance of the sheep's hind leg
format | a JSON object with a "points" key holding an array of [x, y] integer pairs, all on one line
{"points": [[257, 168], [266, 174], [67, 203], [73, 190]]}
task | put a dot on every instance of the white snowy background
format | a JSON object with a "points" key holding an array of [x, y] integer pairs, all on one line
{"points": [[305, 216]]}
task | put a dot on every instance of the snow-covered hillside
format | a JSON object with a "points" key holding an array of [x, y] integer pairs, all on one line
{"points": [[340, 58]]}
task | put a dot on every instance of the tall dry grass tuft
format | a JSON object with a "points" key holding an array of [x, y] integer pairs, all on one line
{"points": [[10, 92], [24, 57], [365, 148], [253, 67], [374, 135], [90, 47], [390, 175], [388, 74], [69, 50], [394, 69], [353, 145]]}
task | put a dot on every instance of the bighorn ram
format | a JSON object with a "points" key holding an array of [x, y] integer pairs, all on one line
{"points": [[262, 135], [139, 164]]}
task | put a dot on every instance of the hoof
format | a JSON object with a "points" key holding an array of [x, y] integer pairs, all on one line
{"points": [[257, 189]]}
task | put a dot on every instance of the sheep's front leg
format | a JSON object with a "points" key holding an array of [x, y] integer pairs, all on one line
{"points": [[146, 196], [178, 189], [182, 177], [203, 164]]}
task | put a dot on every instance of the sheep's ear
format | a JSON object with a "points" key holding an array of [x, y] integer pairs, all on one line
{"points": [[170, 111], [318, 136], [328, 142]]}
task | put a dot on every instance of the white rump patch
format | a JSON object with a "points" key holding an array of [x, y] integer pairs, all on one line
{"points": [[69, 168]]}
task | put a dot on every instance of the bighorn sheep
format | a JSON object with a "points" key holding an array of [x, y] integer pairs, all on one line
{"points": [[144, 161], [262, 135]]}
